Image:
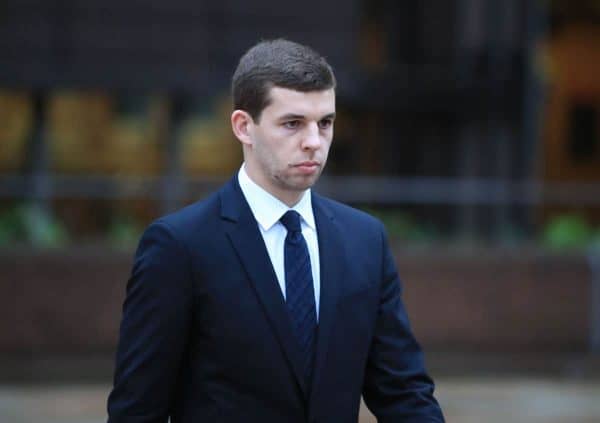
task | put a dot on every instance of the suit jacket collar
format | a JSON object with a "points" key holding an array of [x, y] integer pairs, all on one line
{"points": [[332, 256], [244, 234]]}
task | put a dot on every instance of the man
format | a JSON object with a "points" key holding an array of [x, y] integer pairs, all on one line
{"points": [[266, 302]]}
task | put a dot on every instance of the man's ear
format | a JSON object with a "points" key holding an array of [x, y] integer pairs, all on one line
{"points": [[241, 123]]}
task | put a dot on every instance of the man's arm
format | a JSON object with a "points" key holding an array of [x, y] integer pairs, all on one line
{"points": [[397, 387], [154, 329]]}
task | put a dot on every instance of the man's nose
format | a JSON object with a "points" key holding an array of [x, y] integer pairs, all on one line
{"points": [[312, 138]]}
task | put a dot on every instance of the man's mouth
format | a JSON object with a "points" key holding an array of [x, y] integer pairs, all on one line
{"points": [[307, 167]]}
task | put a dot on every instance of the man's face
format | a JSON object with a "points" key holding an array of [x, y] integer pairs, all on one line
{"points": [[289, 145]]}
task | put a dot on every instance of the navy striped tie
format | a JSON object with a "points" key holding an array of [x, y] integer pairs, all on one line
{"points": [[300, 294]]}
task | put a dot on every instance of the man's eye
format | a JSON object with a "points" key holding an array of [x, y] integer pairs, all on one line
{"points": [[325, 123], [291, 124]]}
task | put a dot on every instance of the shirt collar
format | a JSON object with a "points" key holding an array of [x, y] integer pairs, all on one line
{"points": [[266, 208]]}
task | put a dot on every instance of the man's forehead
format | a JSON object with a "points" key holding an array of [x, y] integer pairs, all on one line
{"points": [[286, 100]]}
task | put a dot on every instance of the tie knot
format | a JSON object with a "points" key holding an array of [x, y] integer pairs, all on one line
{"points": [[291, 221]]}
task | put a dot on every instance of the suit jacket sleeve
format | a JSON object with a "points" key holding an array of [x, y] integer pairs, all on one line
{"points": [[154, 329], [397, 387]]}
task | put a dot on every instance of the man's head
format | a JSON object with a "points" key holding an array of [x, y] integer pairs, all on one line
{"points": [[284, 101], [280, 63]]}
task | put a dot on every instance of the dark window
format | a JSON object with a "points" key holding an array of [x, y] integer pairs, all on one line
{"points": [[583, 132]]}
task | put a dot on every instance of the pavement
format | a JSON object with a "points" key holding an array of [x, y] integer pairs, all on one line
{"points": [[464, 400]]}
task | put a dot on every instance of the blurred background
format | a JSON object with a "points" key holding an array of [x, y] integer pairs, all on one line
{"points": [[470, 127]]}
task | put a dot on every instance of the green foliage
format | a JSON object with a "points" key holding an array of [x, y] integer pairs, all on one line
{"points": [[31, 224], [10, 227], [595, 240], [124, 233], [568, 231]]}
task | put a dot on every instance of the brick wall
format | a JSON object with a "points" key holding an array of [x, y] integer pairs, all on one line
{"points": [[69, 301]]}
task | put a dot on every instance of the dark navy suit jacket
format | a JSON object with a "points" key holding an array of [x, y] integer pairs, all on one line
{"points": [[206, 336]]}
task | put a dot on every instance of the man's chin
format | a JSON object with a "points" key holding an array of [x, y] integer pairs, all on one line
{"points": [[307, 182], [299, 186]]}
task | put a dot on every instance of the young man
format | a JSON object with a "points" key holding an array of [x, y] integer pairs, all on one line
{"points": [[266, 302]]}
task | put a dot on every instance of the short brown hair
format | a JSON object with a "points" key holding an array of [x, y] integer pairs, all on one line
{"points": [[277, 63]]}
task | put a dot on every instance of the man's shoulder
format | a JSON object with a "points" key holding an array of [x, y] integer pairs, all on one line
{"points": [[196, 218], [193, 213]]}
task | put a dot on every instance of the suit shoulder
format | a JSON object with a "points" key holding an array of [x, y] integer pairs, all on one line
{"points": [[191, 218]]}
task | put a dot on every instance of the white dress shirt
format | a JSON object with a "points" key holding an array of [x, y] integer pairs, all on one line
{"points": [[267, 211]]}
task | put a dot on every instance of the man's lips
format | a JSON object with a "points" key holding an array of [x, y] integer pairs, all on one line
{"points": [[308, 163], [308, 166]]}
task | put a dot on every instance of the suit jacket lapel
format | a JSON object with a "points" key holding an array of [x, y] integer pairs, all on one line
{"points": [[332, 256], [244, 234]]}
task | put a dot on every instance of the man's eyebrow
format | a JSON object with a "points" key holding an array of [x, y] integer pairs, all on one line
{"points": [[292, 116]]}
